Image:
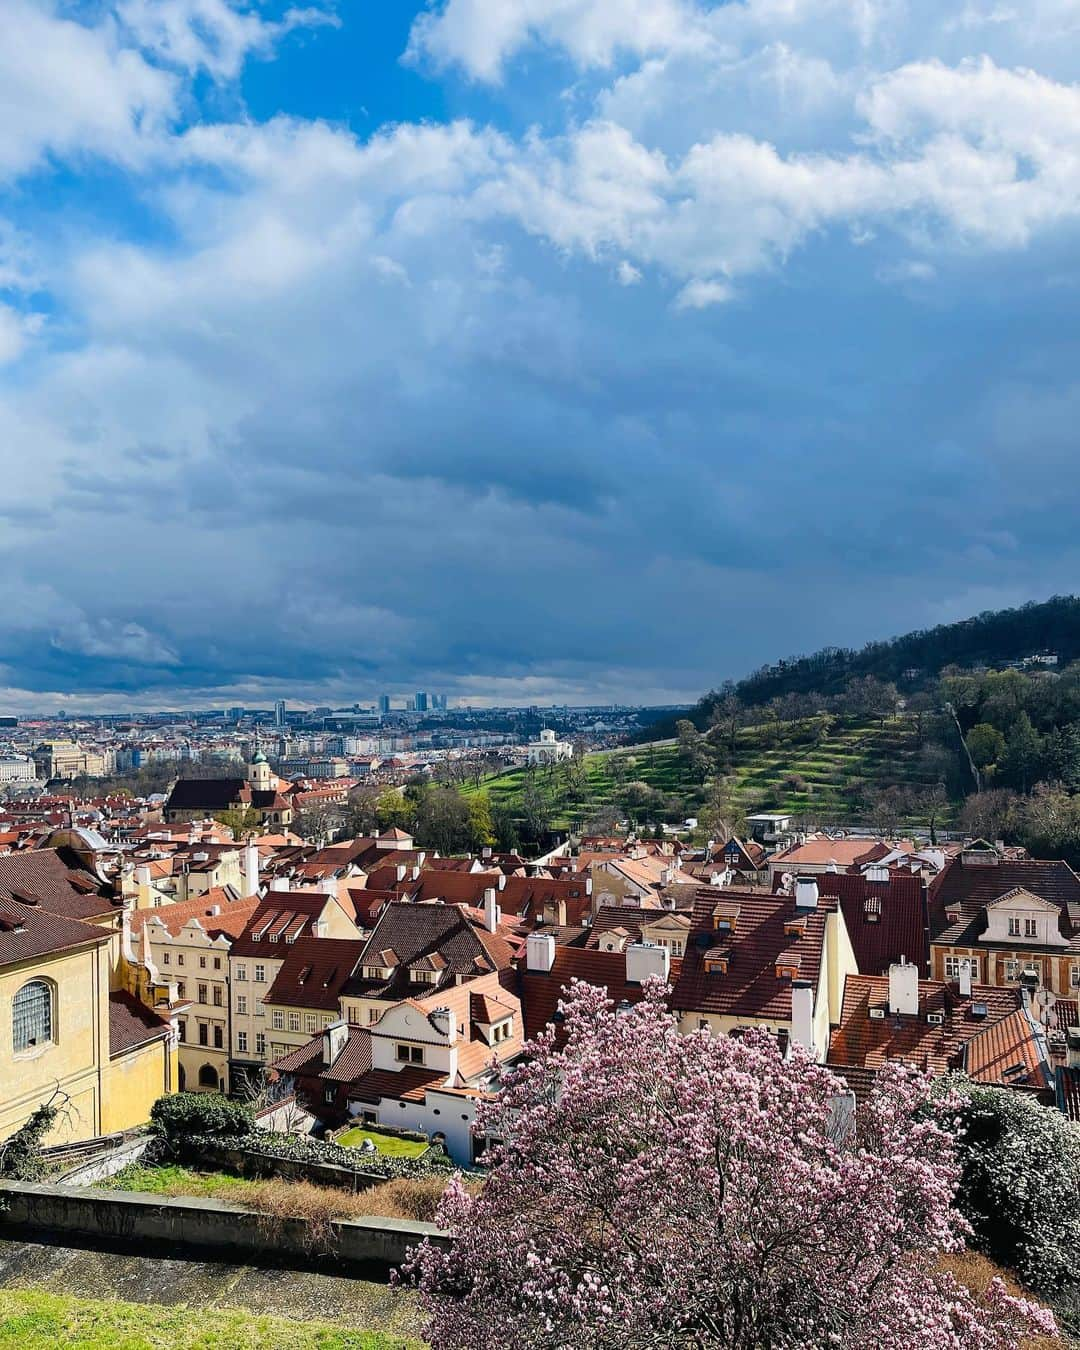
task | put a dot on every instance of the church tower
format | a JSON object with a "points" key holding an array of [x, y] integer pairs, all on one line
{"points": [[259, 775]]}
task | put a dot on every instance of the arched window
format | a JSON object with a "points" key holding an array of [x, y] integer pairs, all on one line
{"points": [[32, 1016]]}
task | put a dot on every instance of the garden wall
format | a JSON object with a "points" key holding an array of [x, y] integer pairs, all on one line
{"points": [[201, 1225]]}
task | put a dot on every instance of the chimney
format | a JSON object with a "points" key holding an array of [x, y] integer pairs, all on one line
{"points": [[539, 952], [334, 1040], [279, 884], [806, 893], [965, 979], [442, 1019], [904, 988], [251, 870], [802, 1013], [485, 852], [644, 959], [492, 912], [502, 881]]}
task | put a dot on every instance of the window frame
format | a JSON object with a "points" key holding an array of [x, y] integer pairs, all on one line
{"points": [[37, 1044]]}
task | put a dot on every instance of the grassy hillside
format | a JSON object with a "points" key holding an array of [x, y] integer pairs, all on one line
{"points": [[817, 770]]}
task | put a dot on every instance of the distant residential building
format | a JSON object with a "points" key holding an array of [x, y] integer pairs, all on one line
{"points": [[17, 769], [548, 749]]}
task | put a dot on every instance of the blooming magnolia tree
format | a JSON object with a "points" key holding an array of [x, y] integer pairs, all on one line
{"points": [[660, 1190]]}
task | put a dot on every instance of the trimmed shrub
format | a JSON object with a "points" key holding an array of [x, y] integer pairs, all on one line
{"points": [[1020, 1185], [180, 1118]]}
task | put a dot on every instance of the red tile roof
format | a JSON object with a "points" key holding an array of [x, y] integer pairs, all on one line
{"points": [[230, 919], [750, 987], [354, 1059], [314, 971], [281, 916], [866, 1042], [885, 920], [541, 992], [1007, 1053]]}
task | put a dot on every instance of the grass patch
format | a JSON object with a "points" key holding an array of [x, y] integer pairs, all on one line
{"points": [[388, 1144], [33, 1320], [172, 1180]]}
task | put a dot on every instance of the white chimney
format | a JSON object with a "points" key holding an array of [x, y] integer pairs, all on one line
{"points": [[965, 979], [502, 881], [904, 988], [279, 884], [334, 1040], [492, 912], [806, 893], [644, 959], [802, 1013], [251, 870], [540, 952], [442, 1019]]}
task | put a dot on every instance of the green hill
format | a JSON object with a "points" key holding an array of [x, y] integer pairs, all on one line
{"points": [[819, 770]]}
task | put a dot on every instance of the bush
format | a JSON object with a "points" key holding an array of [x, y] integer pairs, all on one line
{"points": [[209, 1115], [1019, 1186]]}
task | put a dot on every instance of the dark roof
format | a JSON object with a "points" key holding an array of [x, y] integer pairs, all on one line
{"points": [[205, 794], [314, 971], [899, 928], [630, 917], [750, 987], [132, 1023], [415, 932], [866, 1042], [27, 932], [42, 876], [970, 887], [541, 991], [354, 1059]]}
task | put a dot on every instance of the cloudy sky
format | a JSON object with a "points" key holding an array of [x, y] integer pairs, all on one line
{"points": [[525, 349]]}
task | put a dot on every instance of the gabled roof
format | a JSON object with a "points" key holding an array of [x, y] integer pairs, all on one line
{"points": [[353, 1060], [280, 918], [885, 920], [866, 1042], [961, 891], [415, 931], [220, 912], [314, 972], [750, 987]]}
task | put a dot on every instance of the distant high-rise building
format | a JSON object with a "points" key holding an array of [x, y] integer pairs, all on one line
{"points": [[420, 703], [279, 713], [384, 704], [438, 702]]}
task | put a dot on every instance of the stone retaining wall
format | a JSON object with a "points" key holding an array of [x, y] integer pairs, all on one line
{"points": [[200, 1225]]}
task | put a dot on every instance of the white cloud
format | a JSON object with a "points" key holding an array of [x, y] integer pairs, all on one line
{"points": [[212, 35], [16, 329], [702, 294], [627, 274], [67, 88], [481, 36]]}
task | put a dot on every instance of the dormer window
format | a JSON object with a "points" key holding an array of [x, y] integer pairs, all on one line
{"points": [[409, 1054], [717, 963], [725, 918], [1031, 928]]}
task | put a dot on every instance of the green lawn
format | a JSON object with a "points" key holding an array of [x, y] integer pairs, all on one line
{"points": [[388, 1144], [172, 1180], [32, 1320]]}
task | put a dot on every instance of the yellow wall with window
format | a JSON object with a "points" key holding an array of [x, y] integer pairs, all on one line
{"points": [[103, 1094]]}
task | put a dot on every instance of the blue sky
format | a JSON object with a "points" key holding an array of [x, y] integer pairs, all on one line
{"points": [[525, 349]]}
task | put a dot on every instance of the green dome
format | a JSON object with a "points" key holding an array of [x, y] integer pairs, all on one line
{"points": [[260, 758]]}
